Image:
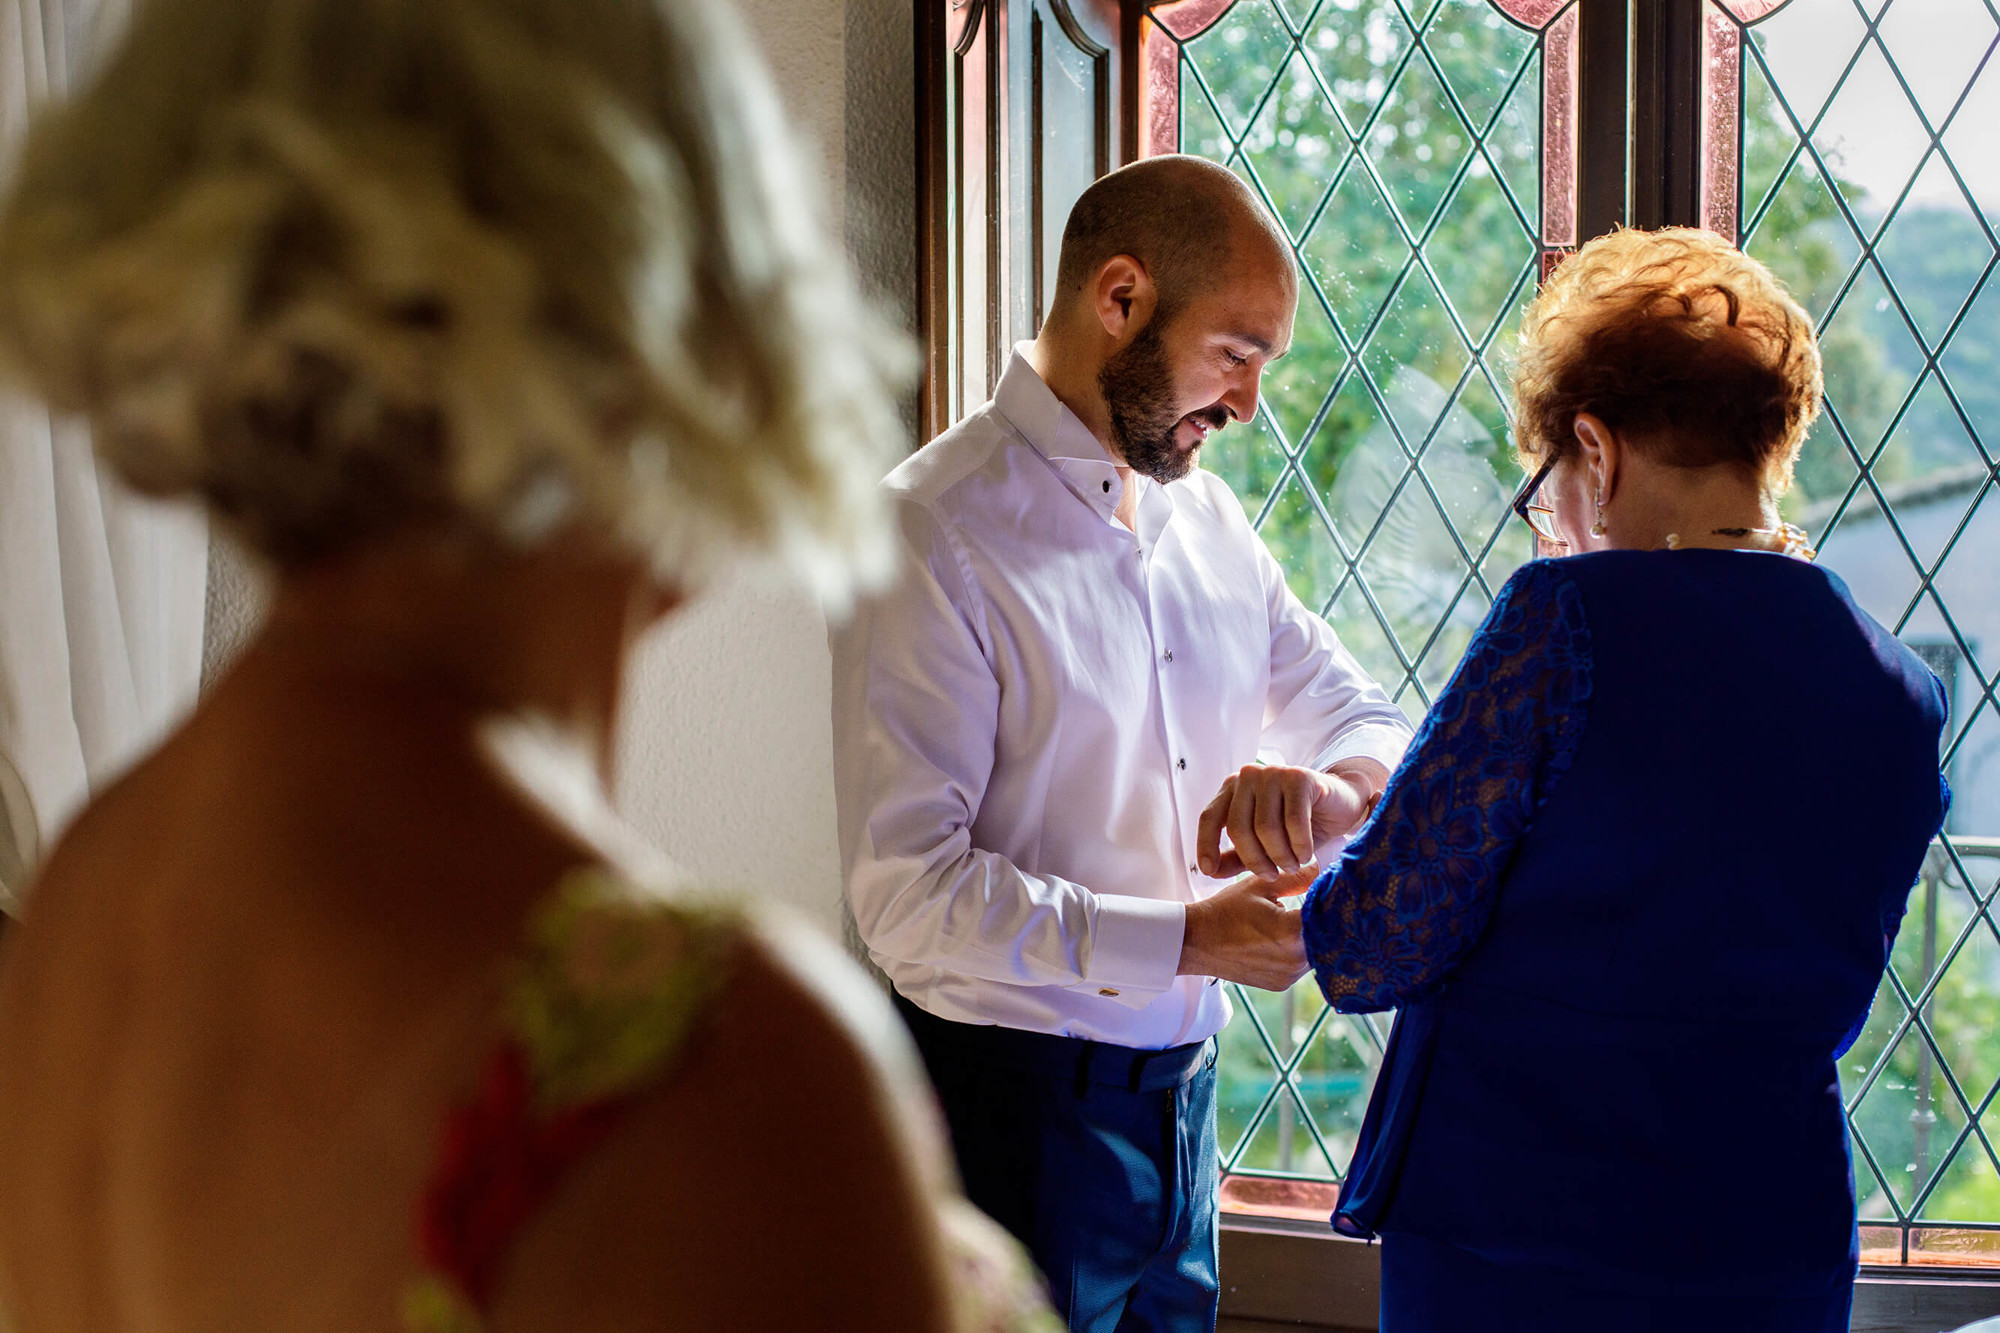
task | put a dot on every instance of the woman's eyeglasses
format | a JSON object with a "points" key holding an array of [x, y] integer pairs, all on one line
{"points": [[1538, 514]]}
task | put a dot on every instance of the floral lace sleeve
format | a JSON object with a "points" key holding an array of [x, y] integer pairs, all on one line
{"points": [[1414, 891]]}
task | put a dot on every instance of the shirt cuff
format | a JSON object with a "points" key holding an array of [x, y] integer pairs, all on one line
{"points": [[1327, 854], [1380, 741], [1135, 951]]}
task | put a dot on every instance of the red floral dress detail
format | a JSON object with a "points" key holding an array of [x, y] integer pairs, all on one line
{"points": [[498, 1163], [607, 992], [610, 988]]}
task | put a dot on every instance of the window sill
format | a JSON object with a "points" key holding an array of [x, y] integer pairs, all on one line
{"points": [[1922, 1300], [1278, 1273]]}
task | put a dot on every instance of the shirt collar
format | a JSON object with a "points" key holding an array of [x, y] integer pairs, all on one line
{"points": [[1027, 403], [1033, 409]]}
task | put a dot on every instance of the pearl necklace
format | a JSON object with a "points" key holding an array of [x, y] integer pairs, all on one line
{"points": [[1791, 539]]}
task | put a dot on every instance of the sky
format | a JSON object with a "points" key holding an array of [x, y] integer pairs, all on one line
{"points": [[1871, 135]]}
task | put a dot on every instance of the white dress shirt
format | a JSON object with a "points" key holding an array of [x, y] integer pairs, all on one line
{"points": [[1028, 724]]}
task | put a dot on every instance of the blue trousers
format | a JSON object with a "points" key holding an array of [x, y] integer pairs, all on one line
{"points": [[1100, 1159]]}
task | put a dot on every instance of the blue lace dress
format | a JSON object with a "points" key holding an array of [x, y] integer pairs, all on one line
{"points": [[1628, 919]]}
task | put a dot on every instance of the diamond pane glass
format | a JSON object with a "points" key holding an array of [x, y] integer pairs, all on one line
{"points": [[1401, 146], [1869, 183]]}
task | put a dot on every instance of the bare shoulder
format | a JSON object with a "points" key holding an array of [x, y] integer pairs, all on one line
{"points": [[67, 989], [778, 1178], [65, 964]]}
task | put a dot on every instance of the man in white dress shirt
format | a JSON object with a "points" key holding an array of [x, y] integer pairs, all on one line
{"points": [[1086, 656]]}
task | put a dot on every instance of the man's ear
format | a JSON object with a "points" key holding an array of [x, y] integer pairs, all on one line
{"points": [[1124, 296], [1603, 453]]}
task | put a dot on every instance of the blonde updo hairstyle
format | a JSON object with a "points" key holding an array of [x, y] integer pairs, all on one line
{"points": [[1680, 342], [503, 267]]}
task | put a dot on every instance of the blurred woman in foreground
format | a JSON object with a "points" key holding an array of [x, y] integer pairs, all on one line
{"points": [[1635, 883], [497, 326]]}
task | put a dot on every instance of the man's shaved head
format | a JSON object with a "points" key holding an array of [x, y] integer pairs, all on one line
{"points": [[1176, 288], [1181, 217]]}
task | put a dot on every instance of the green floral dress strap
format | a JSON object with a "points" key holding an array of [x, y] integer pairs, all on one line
{"points": [[604, 999], [600, 1005]]}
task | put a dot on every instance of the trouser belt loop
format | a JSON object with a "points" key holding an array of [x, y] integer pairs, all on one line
{"points": [[1138, 1073], [1083, 1058]]}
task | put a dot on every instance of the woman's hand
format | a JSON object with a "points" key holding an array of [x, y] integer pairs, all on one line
{"points": [[1276, 816]]}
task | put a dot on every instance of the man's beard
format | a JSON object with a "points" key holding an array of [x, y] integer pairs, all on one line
{"points": [[1138, 388]]}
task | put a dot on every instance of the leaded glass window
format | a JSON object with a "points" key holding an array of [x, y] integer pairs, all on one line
{"points": [[1420, 153], [1403, 146], [1425, 157], [1866, 174]]}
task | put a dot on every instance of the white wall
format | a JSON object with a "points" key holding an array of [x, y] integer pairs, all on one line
{"points": [[726, 759], [726, 752]]}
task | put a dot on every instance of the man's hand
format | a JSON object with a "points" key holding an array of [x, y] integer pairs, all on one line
{"points": [[1276, 816], [1245, 933]]}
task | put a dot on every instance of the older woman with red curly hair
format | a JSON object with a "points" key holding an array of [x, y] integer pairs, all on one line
{"points": [[1635, 883]]}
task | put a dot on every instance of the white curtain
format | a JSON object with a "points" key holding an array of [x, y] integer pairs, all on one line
{"points": [[101, 593]]}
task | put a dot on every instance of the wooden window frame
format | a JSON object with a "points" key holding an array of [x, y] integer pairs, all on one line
{"points": [[954, 139]]}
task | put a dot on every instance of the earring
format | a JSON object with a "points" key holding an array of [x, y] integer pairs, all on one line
{"points": [[1597, 528]]}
